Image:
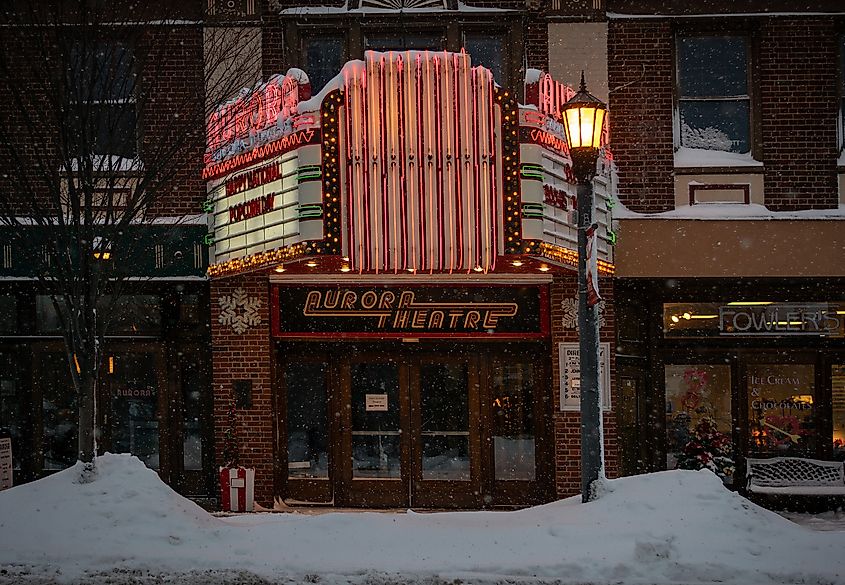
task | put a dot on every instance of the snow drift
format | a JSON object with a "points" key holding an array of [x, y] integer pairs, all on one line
{"points": [[669, 527]]}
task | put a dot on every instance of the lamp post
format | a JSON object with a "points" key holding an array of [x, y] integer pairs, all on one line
{"points": [[583, 121]]}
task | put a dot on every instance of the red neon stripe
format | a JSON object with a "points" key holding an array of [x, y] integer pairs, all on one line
{"points": [[484, 146], [494, 221], [402, 162], [365, 195], [382, 122], [438, 125], [476, 172], [420, 162], [460, 75], [357, 140], [347, 127]]}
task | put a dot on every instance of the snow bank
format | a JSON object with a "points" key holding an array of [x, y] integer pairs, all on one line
{"points": [[670, 527]]}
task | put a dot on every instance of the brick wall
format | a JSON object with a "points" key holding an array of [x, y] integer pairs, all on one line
{"points": [[170, 110], [245, 356], [799, 73], [175, 115], [640, 69], [272, 48], [567, 425], [537, 43]]}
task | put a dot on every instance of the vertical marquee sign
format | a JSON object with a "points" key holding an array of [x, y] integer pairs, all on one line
{"points": [[263, 167], [549, 212]]}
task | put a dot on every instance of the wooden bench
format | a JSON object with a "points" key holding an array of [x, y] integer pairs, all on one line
{"points": [[796, 476]]}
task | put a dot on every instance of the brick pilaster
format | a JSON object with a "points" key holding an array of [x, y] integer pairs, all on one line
{"points": [[567, 425], [245, 356]]}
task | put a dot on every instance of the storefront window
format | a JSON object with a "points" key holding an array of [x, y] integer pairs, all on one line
{"points": [[134, 315], [837, 382], [59, 407], [781, 409], [192, 387], [12, 409], [698, 418], [129, 315], [307, 420], [134, 395], [513, 421], [8, 314]]}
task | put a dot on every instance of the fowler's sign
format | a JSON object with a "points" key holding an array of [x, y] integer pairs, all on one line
{"points": [[403, 311], [779, 319]]}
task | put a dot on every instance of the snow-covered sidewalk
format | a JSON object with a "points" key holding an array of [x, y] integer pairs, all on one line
{"points": [[678, 527]]}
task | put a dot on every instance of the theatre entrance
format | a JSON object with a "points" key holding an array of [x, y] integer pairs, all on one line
{"points": [[430, 425]]}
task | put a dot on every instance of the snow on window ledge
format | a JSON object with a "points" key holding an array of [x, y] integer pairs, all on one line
{"points": [[700, 157], [841, 161], [730, 211]]}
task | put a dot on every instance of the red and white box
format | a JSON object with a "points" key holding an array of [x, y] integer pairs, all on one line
{"points": [[237, 489]]}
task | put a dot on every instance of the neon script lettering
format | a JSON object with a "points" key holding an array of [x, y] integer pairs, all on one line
{"points": [[265, 107]]}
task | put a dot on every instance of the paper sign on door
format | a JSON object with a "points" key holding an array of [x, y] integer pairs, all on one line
{"points": [[375, 402]]}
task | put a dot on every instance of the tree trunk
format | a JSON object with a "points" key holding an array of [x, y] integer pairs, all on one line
{"points": [[87, 387]]}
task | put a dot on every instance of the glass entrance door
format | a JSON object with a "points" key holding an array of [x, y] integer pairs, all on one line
{"points": [[409, 441], [445, 455], [457, 426], [375, 450]]}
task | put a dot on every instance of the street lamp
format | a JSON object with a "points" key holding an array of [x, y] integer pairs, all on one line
{"points": [[583, 121]]}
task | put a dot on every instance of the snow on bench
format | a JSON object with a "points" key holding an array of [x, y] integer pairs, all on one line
{"points": [[796, 476]]}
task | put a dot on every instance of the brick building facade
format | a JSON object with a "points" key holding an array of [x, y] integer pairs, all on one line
{"points": [[145, 80], [727, 139], [276, 361]]}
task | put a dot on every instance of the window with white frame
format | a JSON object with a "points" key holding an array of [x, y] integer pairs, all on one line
{"points": [[102, 106], [714, 108]]}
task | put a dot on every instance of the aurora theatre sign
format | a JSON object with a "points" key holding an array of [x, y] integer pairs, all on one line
{"points": [[419, 311]]}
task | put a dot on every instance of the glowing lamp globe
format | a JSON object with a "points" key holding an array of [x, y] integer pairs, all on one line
{"points": [[583, 119]]}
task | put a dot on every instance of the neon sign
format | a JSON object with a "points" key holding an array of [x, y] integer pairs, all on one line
{"points": [[548, 95], [257, 117], [280, 146]]}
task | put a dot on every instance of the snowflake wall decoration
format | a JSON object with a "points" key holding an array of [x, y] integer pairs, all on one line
{"points": [[239, 311], [570, 313]]}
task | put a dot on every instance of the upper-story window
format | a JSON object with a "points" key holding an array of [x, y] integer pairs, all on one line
{"points": [[714, 108], [405, 41], [323, 56], [101, 87], [489, 51]]}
